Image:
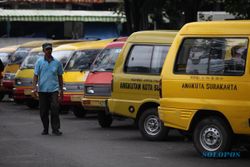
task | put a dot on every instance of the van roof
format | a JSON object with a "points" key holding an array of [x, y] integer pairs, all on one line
{"points": [[33, 44], [159, 36], [236, 27], [9, 49], [116, 44], [55, 43], [84, 45]]}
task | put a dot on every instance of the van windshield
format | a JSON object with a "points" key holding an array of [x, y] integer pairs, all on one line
{"points": [[105, 61], [5, 57], [82, 60], [63, 56], [30, 61], [19, 55]]}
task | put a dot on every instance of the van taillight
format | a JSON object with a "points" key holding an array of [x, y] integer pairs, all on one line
{"points": [[160, 88]]}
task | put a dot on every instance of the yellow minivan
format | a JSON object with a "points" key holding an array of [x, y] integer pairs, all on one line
{"points": [[83, 54], [205, 84], [13, 65], [23, 79], [135, 84]]}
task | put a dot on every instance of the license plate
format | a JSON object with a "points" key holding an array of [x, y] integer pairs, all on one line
{"points": [[97, 103], [27, 92], [76, 98]]}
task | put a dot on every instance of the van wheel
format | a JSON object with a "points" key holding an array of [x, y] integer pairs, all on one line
{"points": [[18, 101], [247, 147], [63, 109], [79, 111], [1, 96], [151, 127], [104, 119], [212, 135], [32, 103]]}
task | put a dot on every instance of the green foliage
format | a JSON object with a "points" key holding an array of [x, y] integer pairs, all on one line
{"points": [[166, 14], [240, 8]]}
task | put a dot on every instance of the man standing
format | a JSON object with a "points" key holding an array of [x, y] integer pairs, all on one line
{"points": [[48, 75]]}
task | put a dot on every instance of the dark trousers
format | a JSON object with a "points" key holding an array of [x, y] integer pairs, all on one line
{"points": [[49, 106]]}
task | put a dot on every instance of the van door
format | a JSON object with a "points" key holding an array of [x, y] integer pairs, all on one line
{"points": [[139, 79]]}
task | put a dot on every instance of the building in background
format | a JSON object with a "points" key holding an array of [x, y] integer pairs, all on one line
{"points": [[60, 19], [214, 16]]}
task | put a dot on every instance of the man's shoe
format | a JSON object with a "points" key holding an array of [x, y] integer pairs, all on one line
{"points": [[57, 132], [45, 132]]}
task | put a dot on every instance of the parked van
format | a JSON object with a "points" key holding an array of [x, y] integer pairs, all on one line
{"points": [[205, 84], [24, 76], [83, 55], [15, 61], [5, 54], [135, 84], [97, 86]]}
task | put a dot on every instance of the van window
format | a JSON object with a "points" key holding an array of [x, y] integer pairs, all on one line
{"points": [[5, 57], [63, 56], [159, 56], [105, 61], [145, 59], [212, 56], [30, 61], [81, 60], [19, 55]]}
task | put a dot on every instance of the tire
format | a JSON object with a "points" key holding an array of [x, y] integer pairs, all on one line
{"points": [[32, 103], [1, 96], [18, 101], [151, 127], [79, 111], [63, 110], [247, 147], [221, 140], [104, 119]]}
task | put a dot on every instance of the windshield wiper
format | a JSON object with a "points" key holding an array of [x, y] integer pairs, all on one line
{"points": [[109, 69]]}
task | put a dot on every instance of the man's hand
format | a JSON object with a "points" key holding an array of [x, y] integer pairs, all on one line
{"points": [[61, 95], [34, 83], [34, 93]]}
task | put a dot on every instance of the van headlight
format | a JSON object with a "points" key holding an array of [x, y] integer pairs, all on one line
{"points": [[90, 90], [18, 81]]}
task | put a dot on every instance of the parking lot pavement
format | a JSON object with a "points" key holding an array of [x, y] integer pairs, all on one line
{"points": [[85, 144]]}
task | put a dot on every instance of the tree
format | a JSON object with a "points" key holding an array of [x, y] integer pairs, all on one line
{"points": [[137, 12], [178, 12], [241, 9]]}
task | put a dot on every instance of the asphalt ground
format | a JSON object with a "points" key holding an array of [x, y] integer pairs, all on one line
{"points": [[85, 144]]}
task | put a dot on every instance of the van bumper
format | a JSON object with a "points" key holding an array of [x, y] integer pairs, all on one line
{"points": [[21, 93], [8, 84], [71, 99], [94, 103], [176, 118]]}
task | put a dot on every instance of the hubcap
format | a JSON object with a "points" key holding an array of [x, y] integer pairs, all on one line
{"points": [[211, 138], [152, 125]]}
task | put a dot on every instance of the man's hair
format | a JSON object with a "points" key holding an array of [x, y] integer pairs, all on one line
{"points": [[47, 46]]}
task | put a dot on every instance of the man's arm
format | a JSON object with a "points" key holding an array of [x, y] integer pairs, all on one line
{"points": [[34, 83], [60, 80]]}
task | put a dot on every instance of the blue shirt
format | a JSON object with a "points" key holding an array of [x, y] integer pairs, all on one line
{"points": [[48, 74]]}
